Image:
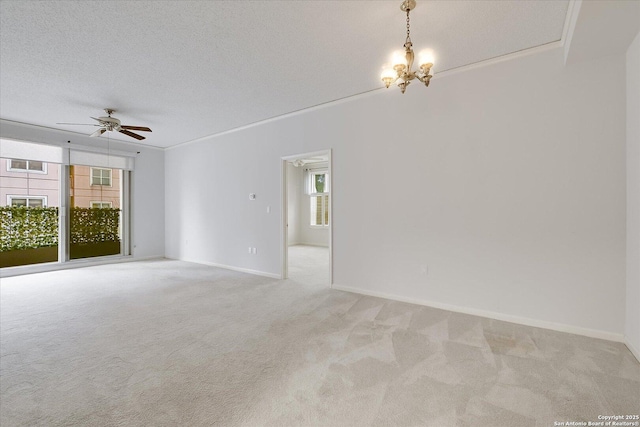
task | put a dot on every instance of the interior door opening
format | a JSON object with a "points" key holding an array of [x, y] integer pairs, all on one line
{"points": [[307, 218]]}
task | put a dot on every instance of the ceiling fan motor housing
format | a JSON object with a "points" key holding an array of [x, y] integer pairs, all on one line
{"points": [[110, 123]]}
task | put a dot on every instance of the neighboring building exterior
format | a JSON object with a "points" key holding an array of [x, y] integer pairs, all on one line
{"points": [[94, 187], [36, 184], [29, 183]]}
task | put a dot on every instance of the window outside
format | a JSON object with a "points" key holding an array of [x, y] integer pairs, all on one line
{"points": [[101, 205], [319, 198], [26, 165], [101, 176], [32, 202]]}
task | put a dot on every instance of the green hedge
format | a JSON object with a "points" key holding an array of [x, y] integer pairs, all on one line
{"points": [[94, 225], [27, 228]]}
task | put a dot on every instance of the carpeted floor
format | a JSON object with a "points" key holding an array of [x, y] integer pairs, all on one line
{"points": [[168, 343], [309, 265]]}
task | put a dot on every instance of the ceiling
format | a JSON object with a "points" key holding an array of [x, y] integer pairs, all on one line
{"points": [[190, 69]]}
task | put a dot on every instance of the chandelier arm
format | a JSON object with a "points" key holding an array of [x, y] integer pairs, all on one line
{"points": [[426, 79]]}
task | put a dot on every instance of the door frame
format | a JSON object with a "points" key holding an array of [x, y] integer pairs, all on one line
{"points": [[284, 232]]}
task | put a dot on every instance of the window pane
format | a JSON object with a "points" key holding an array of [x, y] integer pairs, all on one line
{"points": [[36, 166], [100, 176], [94, 230], [326, 210], [313, 207], [18, 164], [29, 236], [319, 183]]}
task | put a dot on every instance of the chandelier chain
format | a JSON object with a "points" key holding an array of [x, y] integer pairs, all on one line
{"points": [[408, 40]]}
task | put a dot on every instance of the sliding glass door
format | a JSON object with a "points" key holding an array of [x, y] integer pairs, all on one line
{"points": [[60, 204], [95, 211]]}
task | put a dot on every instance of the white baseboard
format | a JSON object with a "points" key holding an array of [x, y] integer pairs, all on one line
{"points": [[230, 267], [593, 333], [310, 244], [631, 348], [78, 263]]}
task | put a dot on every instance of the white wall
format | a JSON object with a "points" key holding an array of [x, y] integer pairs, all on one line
{"points": [[632, 321], [147, 186], [503, 192], [294, 190], [148, 204]]}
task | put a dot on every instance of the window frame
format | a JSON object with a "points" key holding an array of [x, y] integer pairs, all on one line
{"points": [[92, 183], [325, 209], [10, 197], [11, 168], [311, 174], [96, 202]]}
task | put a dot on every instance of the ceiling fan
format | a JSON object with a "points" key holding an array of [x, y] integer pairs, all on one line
{"points": [[111, 124]]}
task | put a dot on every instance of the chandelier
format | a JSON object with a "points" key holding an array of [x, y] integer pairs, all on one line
{"points": [[401, 71]]}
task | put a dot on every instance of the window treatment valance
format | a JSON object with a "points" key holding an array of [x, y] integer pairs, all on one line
{"points": [[12, 149]]}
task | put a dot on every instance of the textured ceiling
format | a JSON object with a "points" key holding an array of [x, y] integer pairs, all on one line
{"points": [[189, 69]]}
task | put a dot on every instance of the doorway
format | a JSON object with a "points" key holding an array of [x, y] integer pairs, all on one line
{"points": [[307, 218]]}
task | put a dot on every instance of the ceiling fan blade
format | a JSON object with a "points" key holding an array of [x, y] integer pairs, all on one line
{"points": [[142, 128], [131, 134], [98, 132], [78, 124], [97, 120]]}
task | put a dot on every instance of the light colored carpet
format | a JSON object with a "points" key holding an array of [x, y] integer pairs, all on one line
{"points": [[168, 343], [309, 265]]}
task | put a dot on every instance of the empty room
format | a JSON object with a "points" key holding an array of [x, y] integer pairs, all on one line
{"points": [[320, 213]]}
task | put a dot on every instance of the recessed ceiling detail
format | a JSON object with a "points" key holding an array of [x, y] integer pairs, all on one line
{"points": [[193, 69]]}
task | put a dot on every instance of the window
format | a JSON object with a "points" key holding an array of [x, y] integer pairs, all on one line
{"points": [[101, 205], [29, 201], [318, 182], [14, 165], [319, 198], [101, 176], [91, 190]]}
